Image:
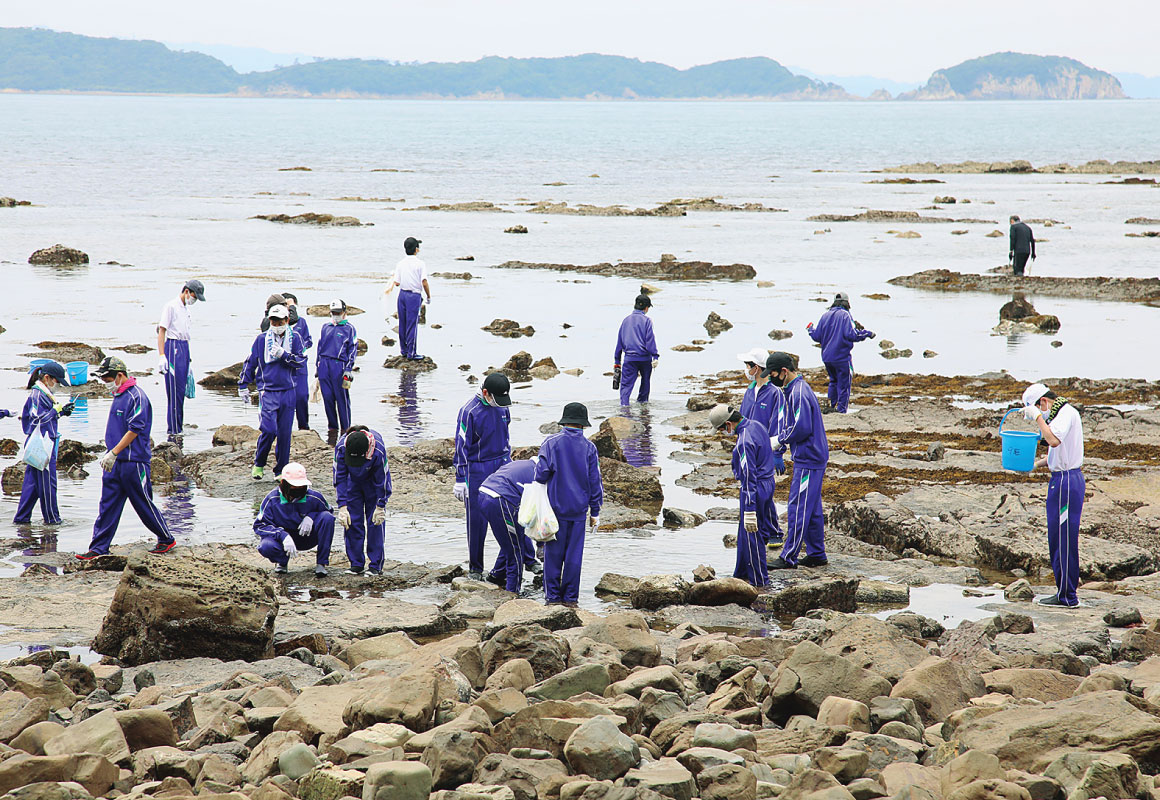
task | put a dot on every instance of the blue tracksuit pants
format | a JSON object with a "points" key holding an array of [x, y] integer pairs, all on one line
{"points": [[177, 354], [838, 391], [335, 399], [129, 480], [408, 306], [361, 506], [805, 522], [509, 535], [628, 372], [563, 557], [1064, 506], [302, 397], [751, 559], [39, 485], [527, 552], [275, 421], [321, 536], [477, 473]]}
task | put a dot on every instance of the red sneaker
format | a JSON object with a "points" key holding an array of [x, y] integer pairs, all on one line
{"points": [[89, 556], [163, 547]]}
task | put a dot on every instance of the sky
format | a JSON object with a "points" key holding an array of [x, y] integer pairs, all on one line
{"points": [[903, 40]]}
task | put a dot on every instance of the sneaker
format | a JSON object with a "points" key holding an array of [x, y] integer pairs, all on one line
{"points": [[280, 569], [320, 571], [475, 576], [497, 579], [1055, 601], [257, 472], [781, 563], [164, 547], [536, 568], [377, 572], [813, 561], [353, 571], [88, 556]]}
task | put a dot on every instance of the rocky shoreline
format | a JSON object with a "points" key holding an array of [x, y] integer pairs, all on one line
{"points": [[1128, 290], [1019, 166], [663, 270]]}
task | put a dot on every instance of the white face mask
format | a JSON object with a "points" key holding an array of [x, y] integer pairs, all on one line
{"points": [[336, 317], [190, 301], [278, 329]]}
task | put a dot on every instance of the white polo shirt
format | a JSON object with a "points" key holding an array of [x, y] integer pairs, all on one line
{"points": [[176, 320], [410, 273], [1068, 428]]}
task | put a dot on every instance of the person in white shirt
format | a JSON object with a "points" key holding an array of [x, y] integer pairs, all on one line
{"points": [[173, 349], [1061, 427], [410, 279]]}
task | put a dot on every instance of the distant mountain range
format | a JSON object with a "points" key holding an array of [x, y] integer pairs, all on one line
{"points": [[38, 60]]}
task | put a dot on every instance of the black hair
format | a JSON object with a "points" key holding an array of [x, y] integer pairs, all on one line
{"points": [[354, 428], [290, 296], [410, 248], [1050, 395], [34, 377], [735, 417]]}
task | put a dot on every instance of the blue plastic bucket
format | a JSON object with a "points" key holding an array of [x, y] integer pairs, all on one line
{"points": [[78, 372], [37, 362], [1018, 447]]}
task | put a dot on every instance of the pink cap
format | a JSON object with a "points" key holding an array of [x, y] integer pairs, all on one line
{"points": [[294, 474]]}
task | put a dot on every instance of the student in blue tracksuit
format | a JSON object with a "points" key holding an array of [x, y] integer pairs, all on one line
{"points": [[1060, 426], [764, 403], [570, 467], [294, 518], [173, 333], [127, 466], [42, 411], [302, 377], [275, 357], [805, 434], [337, 348], [753, 466], [499, 503], [481, 447], [837, 334], [636, 351], [362, 481], [410, 279]]}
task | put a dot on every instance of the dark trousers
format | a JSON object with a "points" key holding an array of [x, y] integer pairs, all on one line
{"points": [[1021, 262], [838, 392], [275, 422], [563, 557], [302, 397], [805, 522], [408, 306], [177, 354], [321, 535], [628, 373], [129, 480], [1064, 505], [335, 399], [39, 485]]}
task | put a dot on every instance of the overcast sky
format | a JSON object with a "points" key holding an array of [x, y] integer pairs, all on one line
{"points": [[899, 39]]}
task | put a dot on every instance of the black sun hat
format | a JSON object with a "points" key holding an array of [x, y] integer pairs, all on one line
{"points": [[575, 414]]}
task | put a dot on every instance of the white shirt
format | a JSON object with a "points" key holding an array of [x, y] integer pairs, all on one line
{"points": [[1068, 428], [176, 320], [410, 273]]}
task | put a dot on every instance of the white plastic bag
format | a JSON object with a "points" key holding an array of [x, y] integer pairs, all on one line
{"points": [[536, 514], [37, 450], [316, 392]]}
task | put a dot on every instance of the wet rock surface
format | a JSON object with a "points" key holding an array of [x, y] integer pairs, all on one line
{"points": [[311, 218], [1128, 290], [650, 270], [1019, 166], [875, 215], [58, 256]]}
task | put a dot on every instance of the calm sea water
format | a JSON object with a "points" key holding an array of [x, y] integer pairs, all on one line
{"points": [[167, 185]]}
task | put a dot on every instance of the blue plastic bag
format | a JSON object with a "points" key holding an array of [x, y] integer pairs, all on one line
{"points": [[190, 386], [37, 450]]}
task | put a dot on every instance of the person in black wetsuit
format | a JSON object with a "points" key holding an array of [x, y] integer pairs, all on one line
{"points": [[1022, 245]]}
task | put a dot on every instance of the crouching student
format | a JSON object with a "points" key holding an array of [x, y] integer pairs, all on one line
{"points": [[499, 504], [293, 518], [362, 481]]}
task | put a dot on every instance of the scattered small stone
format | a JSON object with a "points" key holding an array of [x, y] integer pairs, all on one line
{"points": [[311, 218], [945, 200], [1122, 616], [455, 276], [295, 169], [716, 324], [1019, 591], [516, 229], [936, 451], [777, 334], [908, 235], [704, 572], [929, 354], [894, 353], [465, 258], [960, 232], [995, 235], [876, 296], [1056, 343], [886, 344]]}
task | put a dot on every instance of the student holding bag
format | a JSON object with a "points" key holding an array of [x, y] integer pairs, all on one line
{"points": [[39, 419]]}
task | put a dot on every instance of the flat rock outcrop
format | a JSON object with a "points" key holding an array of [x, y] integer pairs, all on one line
{"points": [[650, 270], [1128, 290]]}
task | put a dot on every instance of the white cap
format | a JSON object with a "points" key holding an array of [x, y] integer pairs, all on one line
{"points": [[754, 356], [278, 311], [1033, 394], [337, 305]]}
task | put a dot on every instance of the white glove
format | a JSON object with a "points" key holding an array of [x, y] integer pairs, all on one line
{"points": [[289, 546], [774, 442], [380, 515], [655, 362], [343, 517], [595, 523], [428, 301], [461, 492], [277, 351], [1032, 413], [750, 519], [163, 365], [305, 526], [244, 393], [108, 461]]}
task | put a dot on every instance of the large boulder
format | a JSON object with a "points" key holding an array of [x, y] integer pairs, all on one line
{"points": [[316, 711], [722, 592], [451, 756], [657, 591], [810, 675], [838, 594], [872, 644], [92, 771], [183, 607], [629, 634], [408, 700], [939, 686], [397, 780], [598, 748], [631, 487], [99, 733], [547, 652], [1045, 685], [58, 255], [523, 776]]}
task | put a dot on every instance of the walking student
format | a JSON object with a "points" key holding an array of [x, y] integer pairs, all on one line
{"points": [[410, 278], [753, 467], [499, 504], [1060, 426], [295, 518], [1021, 246], [362, 481], [127, 466], [570, 468], [805, 434], [637, 345], [837, 334], [173, 348], [481, 447], [764, 403], [275, 357], [41, 416], [302, 376], [337, 348]]}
